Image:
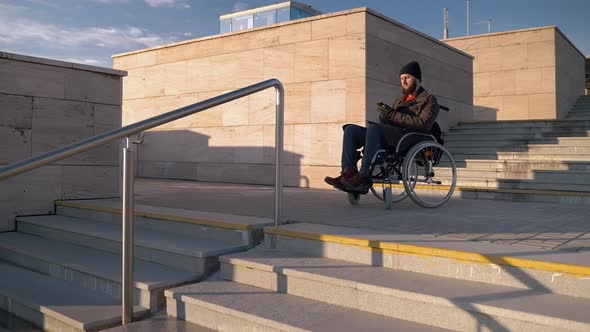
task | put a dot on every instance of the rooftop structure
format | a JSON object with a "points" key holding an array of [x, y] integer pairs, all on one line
{"points": [[267, 15]]}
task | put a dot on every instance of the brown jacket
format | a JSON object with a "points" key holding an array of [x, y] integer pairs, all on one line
{"points": [[416, 115]]}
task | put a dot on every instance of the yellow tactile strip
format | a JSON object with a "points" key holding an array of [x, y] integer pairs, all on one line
{"points": [[402, 248], [186, 216], [504, 191]]}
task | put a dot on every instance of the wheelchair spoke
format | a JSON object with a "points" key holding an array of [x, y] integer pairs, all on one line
{"points": [[427, 183]]}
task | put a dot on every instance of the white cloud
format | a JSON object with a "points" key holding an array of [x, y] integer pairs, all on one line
{"points": [[92, 62], [168, 3], [43, 3], [12, 10], [187, 34], [239, 6], [23, 31], [110, 1]]}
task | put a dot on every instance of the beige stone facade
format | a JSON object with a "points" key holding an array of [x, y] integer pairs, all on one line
{"points": [[334, 67], [45, 104], [524, 74]]}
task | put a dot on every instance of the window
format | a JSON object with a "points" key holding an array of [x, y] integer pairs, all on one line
{"points": [[242, 23], [265, 18], [305, 14], [225, 25], [283, 14], [295, 13]]}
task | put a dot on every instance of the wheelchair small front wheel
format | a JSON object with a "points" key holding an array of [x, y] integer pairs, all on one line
{"points": [[398, 192], [387, 198], [429, 174], [354, 198]]}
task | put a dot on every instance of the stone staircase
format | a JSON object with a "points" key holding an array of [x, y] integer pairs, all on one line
{"points": [[328, 278], [62, 272], [546, 161]]}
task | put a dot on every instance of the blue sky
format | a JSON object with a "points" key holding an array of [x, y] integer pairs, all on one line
{"points": [[90, 31]]}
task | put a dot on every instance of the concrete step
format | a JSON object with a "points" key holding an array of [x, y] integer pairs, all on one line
{"points": [[215, 226], [579, 116], [519, 155], [530, 148], [56, 305], [182, 252], [476, 141], [549, 270], [230, 306], [96, 270], [11, 323], [465, 305], [524, 165], [578, 181], [526, 136], [518, 133], [160, 324], [539, 176], [578, 131], [536, 184], [523, 195], [535, 124]]}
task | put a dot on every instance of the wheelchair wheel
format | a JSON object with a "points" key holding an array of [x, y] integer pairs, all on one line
{"points": [[429, 174], [354, 198]]}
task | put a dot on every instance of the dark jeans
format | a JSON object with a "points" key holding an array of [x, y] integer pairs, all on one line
{"points": [[356, 137]]}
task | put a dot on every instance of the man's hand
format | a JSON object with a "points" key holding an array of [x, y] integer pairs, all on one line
{"points": [[384, 111], [384, 108]]}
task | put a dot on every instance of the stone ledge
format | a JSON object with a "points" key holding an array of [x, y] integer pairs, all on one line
{"points": [[64, 64]]}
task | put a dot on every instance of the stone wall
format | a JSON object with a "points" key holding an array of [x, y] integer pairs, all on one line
{"points": [[569, 75], [446, 73], [45, 104], [327, 64], [521, 75]]}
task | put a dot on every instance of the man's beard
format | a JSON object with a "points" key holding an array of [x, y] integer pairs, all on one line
{"points": [[410, 89]]}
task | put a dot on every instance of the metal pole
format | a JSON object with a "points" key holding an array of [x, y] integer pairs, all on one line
{"points": [[468, 17], [446, 23], [127, 278], [279, 154], [489, 25]]}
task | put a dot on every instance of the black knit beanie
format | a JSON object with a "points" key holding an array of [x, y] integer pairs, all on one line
{"points": [[412, 68]]}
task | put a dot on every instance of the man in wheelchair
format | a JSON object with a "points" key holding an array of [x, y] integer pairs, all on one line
{"points": [[415, 111]]}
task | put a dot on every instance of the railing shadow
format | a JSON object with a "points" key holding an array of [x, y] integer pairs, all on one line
{"points": [[189, 155]]}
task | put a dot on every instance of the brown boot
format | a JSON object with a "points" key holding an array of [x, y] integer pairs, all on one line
{"points": [[336, 182], [358, 183]]}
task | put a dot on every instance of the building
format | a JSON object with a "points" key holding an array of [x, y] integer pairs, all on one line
{"points": [[529, 74], [267, 15], [335, 68]]}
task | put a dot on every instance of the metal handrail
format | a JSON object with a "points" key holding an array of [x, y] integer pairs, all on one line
{"points": [[128, 161]]}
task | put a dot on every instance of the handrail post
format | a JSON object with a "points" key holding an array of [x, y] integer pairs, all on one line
{"points": [[127, 223], [279, 153]]}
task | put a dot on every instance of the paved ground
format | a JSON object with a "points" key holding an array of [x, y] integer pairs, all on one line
{"points": [[539, 225]]}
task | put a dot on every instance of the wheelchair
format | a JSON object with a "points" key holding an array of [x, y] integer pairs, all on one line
{"points": [[419, 167]]}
